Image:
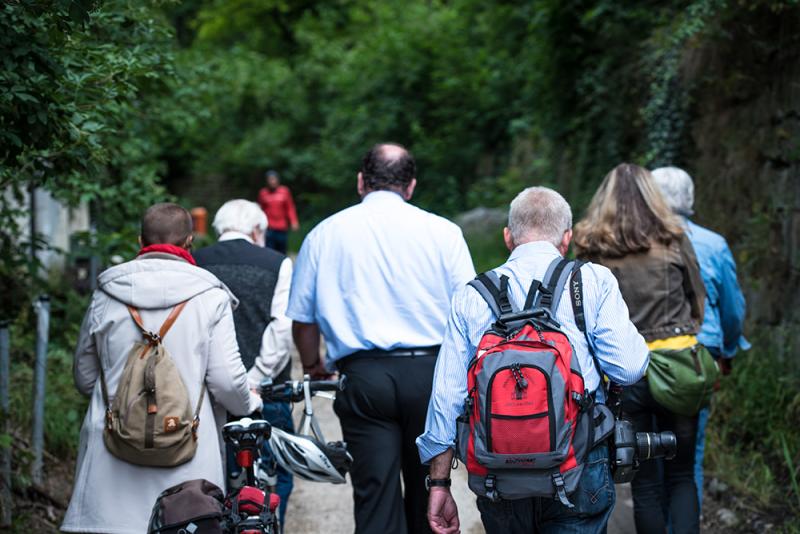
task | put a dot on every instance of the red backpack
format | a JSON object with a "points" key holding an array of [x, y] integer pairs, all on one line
{"points": [[529, 423]]}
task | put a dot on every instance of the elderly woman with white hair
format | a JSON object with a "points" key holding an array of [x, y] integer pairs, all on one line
{"points": [[260, 278], [721, 331]]}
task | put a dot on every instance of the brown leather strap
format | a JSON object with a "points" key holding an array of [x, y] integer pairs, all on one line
{"points": [[137, 318], [154, 338], [173, 315]]}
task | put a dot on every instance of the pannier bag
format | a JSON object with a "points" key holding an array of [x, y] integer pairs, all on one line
{"points": [[151, 421], [193, 507], [682, 381], [528, 422]]}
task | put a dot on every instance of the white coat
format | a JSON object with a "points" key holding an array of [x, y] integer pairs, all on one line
{"points": [[113, 496]]}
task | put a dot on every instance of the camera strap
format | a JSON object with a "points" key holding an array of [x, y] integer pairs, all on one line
{"points": [[576, 296]]}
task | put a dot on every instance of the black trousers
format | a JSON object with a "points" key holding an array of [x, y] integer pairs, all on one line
{"points": [[382, 411], [663, 488]]}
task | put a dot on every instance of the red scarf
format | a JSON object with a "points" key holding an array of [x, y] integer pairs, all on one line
{"points": [[168, 249]]}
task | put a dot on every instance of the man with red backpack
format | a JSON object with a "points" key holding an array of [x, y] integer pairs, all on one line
{"points": [[518, 377]]}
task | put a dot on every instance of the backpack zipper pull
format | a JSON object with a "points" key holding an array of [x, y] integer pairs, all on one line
{"points": [[516, 372]]}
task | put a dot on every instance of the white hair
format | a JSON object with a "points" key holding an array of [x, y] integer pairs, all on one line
{"points": [[240, 216], [539, 214], [678, 189]]}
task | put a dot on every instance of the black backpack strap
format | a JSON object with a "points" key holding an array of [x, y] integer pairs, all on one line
{"points": [[494, 290], [549, 296], [578, 310]]}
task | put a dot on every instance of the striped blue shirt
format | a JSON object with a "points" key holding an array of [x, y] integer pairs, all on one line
{"points": [[620, 349]]}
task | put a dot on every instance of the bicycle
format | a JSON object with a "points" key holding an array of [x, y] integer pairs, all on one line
{"points": [[251, 508], [306, 453]]}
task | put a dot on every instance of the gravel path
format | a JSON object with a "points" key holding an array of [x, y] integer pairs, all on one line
{"points": [[327, 508]]}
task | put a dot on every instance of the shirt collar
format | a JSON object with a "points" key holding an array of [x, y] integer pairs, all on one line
{"points": [[232, 234], [382, 196], [534, 248]]}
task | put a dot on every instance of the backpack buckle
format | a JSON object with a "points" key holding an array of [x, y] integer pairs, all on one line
{"points": [[109, 420], [490, 485], [153, 338], [561, 491], [584, 401]]}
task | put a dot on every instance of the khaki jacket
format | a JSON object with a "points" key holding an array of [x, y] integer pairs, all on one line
{"points": [[662, 288]]}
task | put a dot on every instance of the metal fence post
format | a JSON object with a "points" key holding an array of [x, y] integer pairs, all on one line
{"points": [[40, 373], [5, 452]]}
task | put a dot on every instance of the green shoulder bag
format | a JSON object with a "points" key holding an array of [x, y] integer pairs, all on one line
{"points": [[682, 381]]}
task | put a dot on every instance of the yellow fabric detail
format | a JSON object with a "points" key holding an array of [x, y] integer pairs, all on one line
{"points": [[673, 343]]}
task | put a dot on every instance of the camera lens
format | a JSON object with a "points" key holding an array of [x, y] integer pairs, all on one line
{"points": [[656, 445]]}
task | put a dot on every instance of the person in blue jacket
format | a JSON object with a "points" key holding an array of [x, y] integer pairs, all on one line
{"points": [[721, 331]]}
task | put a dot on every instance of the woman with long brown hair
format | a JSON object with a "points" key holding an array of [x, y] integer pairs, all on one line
{"points": [[629, 228]]}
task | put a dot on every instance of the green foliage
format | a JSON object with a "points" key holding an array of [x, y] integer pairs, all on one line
{"points": [[753, 440]]}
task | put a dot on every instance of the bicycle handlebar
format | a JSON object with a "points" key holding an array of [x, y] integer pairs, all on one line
{"points": [[293, 390]]}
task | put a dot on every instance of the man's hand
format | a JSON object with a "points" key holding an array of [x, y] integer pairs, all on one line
{"points": [[318, 371], [295, 227], [442, 511]]}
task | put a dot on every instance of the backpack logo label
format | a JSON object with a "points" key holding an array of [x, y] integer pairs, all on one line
{"points": [[171, 424]]}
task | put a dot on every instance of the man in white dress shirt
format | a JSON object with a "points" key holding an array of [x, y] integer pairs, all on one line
{"points": [[376, 280]]}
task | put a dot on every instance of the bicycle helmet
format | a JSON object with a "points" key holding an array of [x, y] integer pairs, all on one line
{"points": [[307, 458]]}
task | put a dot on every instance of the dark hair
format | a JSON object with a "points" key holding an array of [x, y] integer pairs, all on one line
{"points": [[166, 224], [271, 173], [388, 166]]}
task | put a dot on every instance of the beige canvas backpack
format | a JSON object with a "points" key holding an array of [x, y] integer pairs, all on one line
{"points": [[150, 421]]}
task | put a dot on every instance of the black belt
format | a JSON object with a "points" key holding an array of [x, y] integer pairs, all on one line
{"points": [[404, 352]]}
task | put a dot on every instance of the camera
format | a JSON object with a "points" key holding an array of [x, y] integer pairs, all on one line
{"points": [[631, 448]]}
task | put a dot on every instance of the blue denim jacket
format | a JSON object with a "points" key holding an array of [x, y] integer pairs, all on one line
{"points": [[724, 315]]}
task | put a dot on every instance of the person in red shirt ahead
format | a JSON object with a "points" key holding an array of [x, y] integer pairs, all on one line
{"points": [[276, 201]]}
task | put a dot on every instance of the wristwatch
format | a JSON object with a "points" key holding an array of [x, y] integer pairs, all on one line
{"points": [[436, 482]]}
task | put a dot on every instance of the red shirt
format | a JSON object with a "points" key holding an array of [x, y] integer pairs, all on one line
{"points": [[279, 207]]}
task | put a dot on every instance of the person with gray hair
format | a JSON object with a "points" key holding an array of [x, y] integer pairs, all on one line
{"points": [[721, 331], [539, 231], [260, 278]]}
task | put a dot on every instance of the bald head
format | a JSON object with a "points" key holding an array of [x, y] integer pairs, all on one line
{"points": [[166, 224], [388, 166]]}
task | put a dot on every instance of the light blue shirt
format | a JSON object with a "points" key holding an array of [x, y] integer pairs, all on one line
{"points": [[721, 331], [379, 274], [621, 351]]}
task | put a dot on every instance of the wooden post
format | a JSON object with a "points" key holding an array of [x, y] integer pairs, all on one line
{"points": [[200, 221]]}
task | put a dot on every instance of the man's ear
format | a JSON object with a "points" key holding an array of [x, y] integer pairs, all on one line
{"points": [[507, 239], [409, 190], [258, 236], [360, 186], [563, 248], [188, 244]]}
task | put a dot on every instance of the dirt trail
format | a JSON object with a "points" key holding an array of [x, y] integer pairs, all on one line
{"points": [[316, 507]]}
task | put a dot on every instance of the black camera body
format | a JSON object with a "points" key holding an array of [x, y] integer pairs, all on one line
{"points": [[630, 448]]}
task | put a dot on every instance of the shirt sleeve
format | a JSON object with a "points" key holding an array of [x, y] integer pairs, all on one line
{"points": [[276, 343], [450, 375], [303, 293], [226, 376], [731, 303], [620, 349], [291, 211], [462, 269]]}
